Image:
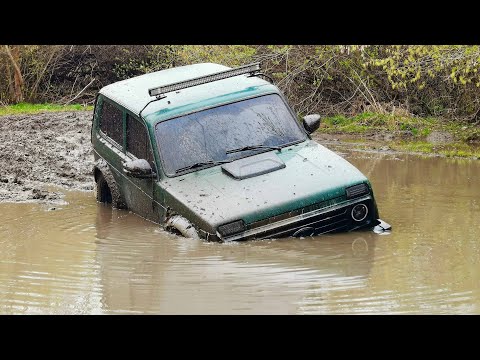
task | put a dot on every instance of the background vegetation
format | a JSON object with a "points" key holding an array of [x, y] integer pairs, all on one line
{"points": [[420, 81]]}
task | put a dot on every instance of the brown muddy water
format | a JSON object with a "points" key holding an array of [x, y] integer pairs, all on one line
{"points": [[85, 258]]}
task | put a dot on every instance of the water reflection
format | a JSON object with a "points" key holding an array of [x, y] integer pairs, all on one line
{"points": [[47, 260], [177, 275]]}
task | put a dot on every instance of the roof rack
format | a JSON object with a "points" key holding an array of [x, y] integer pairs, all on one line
{"points": [[252, 69]]}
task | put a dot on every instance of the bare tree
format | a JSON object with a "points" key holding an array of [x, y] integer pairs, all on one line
{"points": [[14, 56]]}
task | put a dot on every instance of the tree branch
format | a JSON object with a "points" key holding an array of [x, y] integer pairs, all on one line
{"points": [[80, 93]]}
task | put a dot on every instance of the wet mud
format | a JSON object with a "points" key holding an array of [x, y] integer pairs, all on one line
{"points": [[41, 154]]}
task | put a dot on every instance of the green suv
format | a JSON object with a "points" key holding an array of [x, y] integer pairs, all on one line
{"points": [[217, 153]]}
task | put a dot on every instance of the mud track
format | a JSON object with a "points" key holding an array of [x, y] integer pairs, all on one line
{"points": [[40, 150]]}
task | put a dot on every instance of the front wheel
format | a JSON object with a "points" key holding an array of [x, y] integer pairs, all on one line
{"points": [[108, 192], [103, 193]]}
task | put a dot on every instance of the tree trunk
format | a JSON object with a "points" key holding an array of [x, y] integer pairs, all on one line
{"points": [[14, 56], [11, 90]]}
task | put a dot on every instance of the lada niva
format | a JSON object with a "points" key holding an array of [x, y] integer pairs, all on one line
{"points": [[217, 153]]}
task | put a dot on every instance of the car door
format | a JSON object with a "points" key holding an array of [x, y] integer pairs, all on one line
{"points": [[138, 191]]}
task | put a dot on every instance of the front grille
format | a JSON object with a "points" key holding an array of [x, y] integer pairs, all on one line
{"points": [[316, 222], [303, 210], [336, 220]]}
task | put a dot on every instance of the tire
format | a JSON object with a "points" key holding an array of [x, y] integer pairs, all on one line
{"points": [[107, 191], [103, 193]]}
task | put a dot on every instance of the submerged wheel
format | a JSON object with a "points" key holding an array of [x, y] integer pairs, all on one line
{"points": [[104, 195], [107, 190]]}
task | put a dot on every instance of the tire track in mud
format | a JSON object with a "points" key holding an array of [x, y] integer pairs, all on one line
{"points": [[39, 150]]}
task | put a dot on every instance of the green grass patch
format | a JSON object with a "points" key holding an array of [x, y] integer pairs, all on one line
{"points": [[342, 124], [448, 150], [374, 122], [421, 147], [26, 108]]}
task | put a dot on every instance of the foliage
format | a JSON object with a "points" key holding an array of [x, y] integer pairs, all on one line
{"points": [[229, 55], [439, 79], [417, 80], [131, 63], [416, 63]]}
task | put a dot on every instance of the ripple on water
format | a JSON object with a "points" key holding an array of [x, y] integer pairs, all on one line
{"points": [[88, 258]]}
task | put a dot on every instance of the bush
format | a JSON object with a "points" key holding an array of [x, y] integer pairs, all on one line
{"points": [[327, 79]]}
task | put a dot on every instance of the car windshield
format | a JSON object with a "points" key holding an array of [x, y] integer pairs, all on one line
{"points": [[206, 136]]}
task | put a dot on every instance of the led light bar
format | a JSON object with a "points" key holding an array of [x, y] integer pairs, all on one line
{"points": [[245, 69]]}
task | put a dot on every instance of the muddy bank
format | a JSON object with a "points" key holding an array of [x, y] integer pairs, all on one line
{"points": [[436, 144], [384, 136], [44, 150]]}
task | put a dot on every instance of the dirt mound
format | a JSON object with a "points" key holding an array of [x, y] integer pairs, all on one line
{"points": [[44, 149]]}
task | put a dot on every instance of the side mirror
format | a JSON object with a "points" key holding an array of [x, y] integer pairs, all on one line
{"points": [[139, 168], [311, 122]]}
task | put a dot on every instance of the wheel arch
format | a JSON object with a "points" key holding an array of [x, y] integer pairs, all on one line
{"points": [[102, 167]]}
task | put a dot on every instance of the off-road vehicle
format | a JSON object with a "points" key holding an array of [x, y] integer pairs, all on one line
{"points": [[217, 153]]}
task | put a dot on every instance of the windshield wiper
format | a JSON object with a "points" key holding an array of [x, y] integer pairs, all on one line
{"points": [[200, 164], [253, 147]]}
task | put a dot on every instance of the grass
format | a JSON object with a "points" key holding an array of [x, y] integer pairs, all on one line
{"points": [[374, 122], [410, 133], [26, 108], [448, 150]]}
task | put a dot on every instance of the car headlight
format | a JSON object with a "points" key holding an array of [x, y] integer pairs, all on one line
{"points": [[356, 190], [231, 228]]}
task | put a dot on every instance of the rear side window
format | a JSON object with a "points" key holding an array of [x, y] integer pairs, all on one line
{"points": [[137, 140], [111, 122]]}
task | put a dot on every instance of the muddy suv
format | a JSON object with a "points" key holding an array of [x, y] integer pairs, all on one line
{"points": [[217, 153]]}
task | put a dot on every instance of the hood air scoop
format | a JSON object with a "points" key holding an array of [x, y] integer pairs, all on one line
{"points": [[253, 166]]}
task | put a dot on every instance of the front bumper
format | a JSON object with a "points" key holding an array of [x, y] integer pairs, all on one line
{"points": [[334, 218]]}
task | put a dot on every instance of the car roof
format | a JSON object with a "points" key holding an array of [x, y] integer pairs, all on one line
{"points": [[133, 93]]}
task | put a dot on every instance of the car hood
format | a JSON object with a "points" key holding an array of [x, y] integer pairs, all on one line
{"points": [[211, 197]]}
